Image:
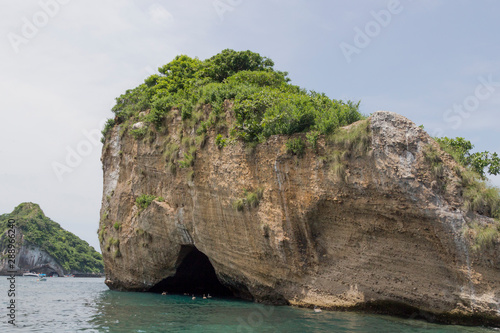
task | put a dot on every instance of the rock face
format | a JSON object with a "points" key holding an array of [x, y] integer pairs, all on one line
{"points": [[377, 232], [32, 258]]}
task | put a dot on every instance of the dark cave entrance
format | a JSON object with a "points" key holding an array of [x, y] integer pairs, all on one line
{"points": [[195, 275]]}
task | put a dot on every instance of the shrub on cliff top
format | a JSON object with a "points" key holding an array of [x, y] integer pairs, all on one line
{"points": [[229, 62], [107, 127], [479, 162], [356, 138], [177, 74], [479, 196], [265, 103]]}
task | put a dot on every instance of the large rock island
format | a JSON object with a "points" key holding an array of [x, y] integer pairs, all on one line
{"points": [[372, 217]]}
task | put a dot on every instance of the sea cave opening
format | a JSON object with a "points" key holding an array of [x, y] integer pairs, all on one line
{"points": [[194, 275]]}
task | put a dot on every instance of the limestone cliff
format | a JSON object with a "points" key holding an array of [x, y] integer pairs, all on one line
{"points": [[31, 258], [347, 225]]}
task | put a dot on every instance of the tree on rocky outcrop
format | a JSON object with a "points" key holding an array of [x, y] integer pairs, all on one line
{"points": [[229, 62], [480, 162]]}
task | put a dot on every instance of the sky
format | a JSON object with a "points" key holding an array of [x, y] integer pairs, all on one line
{"points": [[63, 63]]}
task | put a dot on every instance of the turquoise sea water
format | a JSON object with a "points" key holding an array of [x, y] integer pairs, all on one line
{"points": [[87, 305]]}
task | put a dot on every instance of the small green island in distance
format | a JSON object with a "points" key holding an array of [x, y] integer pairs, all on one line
{"points": [[42, 246]]}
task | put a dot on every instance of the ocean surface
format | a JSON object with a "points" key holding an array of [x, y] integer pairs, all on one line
{"points": [[87, 305]]}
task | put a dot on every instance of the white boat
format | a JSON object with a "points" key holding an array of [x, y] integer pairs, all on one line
{"points": [[30, 274]]}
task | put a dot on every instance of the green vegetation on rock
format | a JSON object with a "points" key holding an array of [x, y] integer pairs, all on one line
{"points": [[72, 253], [295, 146], [479, 196], [479, 162], [265, 103], [345, 143], [220, 141], [436, 166], [250, 199], [144, 200], [354, 140]]}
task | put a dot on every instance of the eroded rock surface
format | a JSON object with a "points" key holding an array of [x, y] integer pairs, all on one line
{"points": [[382, 234], [30, 257]]}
